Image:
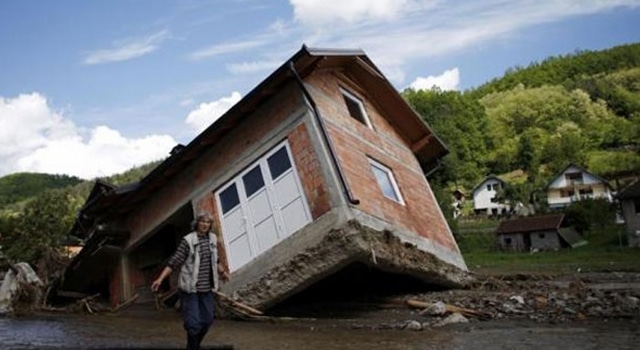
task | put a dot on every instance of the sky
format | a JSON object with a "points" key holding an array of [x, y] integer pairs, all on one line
{"points": [[94, 88]]}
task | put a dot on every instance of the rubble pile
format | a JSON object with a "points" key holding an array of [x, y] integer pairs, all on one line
{"points": [[538, 298]]}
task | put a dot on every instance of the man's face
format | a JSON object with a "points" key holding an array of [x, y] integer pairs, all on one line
{"points": [[203, 225]]}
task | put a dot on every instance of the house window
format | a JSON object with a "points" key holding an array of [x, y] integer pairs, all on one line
{"points": [[567, 193], [386, 181], [229, 198], [494, 200], [507, 241], [636, 205], [574, 177], [261, 206], [586, 193], [355, 107], [494, 187], [541, 235]]}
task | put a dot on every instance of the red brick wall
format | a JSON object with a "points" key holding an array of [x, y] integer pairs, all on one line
{"points": [[355, 143], [308, 167]]}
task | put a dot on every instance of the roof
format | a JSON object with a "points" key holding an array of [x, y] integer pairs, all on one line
{"points": [[427, 147], [572, 237], [531, 224], [489, 177], [631, 191], [604, 181]]}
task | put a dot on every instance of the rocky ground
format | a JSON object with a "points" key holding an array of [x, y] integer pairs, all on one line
{"points": [[536, 298]]}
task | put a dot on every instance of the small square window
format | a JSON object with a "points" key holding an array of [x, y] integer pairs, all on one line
{"points": [[355, 107], [386, 181], [229, 198], [253, 181], [279, 163]]}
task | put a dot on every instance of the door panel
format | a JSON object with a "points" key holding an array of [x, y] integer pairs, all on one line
{"points": [[286, 189], [295, 216], [234, 224], [239, 252], [266, 234], [261, 207]]}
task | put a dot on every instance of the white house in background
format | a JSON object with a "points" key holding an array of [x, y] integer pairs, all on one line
{"points": [[575, 183], [484, 197]]}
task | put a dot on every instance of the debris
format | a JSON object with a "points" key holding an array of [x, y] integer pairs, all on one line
{"points": [[126, 303], [238, 305], [451, 319], [413, 326], [21, 290], [448, 308]]}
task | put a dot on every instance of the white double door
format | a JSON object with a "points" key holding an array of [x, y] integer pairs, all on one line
{"points": [[261, 206]]}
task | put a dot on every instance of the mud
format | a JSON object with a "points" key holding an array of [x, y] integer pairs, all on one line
{"points": [[596, 311]]}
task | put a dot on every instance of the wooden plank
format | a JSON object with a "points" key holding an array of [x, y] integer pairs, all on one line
{"points": [[68, 294], [238, 304]]}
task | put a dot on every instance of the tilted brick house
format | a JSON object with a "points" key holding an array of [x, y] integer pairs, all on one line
{"points": [[321, 166]]}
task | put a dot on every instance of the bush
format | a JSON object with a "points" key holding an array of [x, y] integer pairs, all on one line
{"points": [[588, 213]]}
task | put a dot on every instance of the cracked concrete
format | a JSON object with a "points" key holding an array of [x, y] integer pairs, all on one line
{"points": [[340, 247]]}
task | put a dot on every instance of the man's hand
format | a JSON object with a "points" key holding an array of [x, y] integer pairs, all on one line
{"points": [[156, 285], [223, 274]]}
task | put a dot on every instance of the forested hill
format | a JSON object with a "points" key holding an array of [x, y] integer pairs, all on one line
{"points": [[565, 69], [582, 108], [20, 186]]}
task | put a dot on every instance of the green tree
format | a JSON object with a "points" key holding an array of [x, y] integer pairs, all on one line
{"points": [[588, 213], [459, 120], [39, 230]]}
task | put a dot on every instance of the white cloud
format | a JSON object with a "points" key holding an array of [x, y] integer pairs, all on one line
{"points": [[318, 13], [127, 49], [227, 48], [396, 34], [207, 113], [253, 67], [35, 138], [449, 80]]}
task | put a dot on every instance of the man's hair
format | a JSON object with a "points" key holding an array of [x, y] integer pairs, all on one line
{"points": [[202, 215]]}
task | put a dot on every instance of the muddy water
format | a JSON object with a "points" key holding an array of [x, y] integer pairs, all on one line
{"points": [[104, 331]]}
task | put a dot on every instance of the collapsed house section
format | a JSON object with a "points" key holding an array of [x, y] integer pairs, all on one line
{"points": [[340, 248], [323, 165]]}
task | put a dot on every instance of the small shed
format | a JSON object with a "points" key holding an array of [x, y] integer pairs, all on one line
{"points": [[630, 202], [537, 233]]}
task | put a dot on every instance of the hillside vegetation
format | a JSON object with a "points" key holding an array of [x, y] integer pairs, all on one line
{"points": [[38, 216], [21, 186], [582, 108]]}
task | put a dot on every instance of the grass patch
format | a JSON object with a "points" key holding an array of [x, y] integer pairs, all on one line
{"points": [[607, 251]]}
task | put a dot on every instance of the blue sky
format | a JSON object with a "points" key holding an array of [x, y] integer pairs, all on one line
{"points": [[93, 88]]}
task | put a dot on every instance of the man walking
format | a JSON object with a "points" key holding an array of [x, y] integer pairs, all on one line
{"points": [[197, 259]]}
